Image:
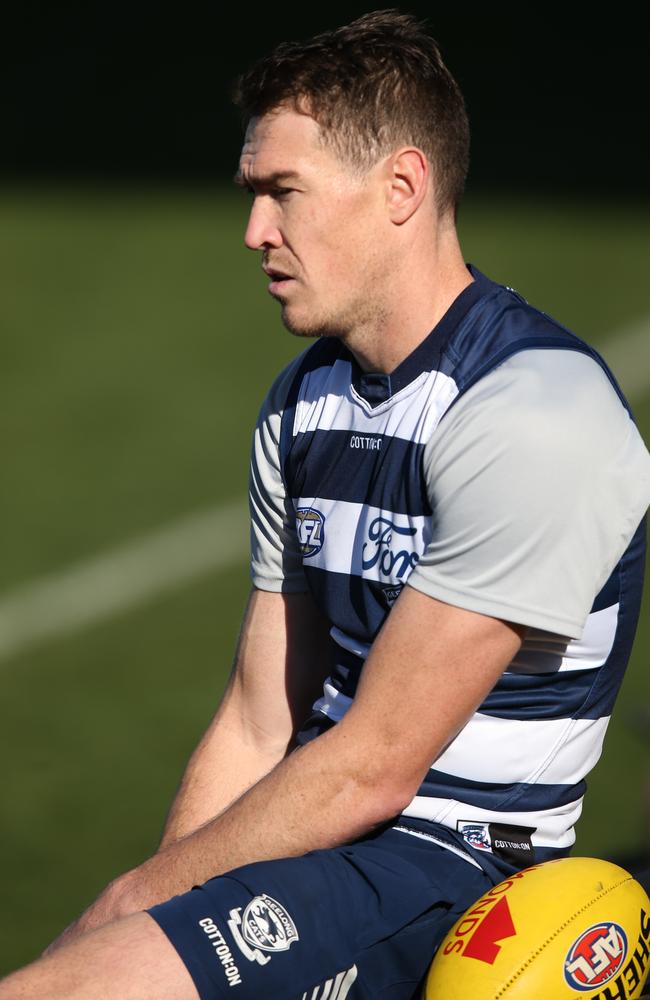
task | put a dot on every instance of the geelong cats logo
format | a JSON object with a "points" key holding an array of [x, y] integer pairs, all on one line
{"points": [[264, 925]]}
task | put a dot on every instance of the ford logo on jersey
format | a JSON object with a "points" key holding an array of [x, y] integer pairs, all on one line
{"points": [[310, 526], [380, 552]]}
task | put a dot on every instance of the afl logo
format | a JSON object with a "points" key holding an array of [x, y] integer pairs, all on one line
{"points": [[595, 957], [267, 925], [310, 525]]}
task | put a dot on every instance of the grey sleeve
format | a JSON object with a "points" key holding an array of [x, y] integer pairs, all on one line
{"points": [[276, 561], [538, 478]]}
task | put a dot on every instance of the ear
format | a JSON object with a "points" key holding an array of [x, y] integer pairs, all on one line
{"points": [[408, 177]]}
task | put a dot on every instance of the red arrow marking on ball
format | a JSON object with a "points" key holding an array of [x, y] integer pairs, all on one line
{"points": [[496, 926]]}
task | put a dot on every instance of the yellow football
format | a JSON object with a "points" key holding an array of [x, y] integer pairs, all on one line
{"points": [[574, 928]]}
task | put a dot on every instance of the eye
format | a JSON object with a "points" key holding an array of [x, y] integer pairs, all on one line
{"points": [[276, 192]]}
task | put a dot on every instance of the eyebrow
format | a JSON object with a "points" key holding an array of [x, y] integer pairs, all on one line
{"points": [[278, 175]]}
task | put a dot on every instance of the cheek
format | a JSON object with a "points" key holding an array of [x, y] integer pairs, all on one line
{"points": [[341, 242], [364, 235], [349, 244]]}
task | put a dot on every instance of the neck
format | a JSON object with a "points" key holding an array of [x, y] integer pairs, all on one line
{"points": [[416, 296]]}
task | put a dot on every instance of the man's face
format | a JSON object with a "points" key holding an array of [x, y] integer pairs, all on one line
{"points": [[315, 222]]}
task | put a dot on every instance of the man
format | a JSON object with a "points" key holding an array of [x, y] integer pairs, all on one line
{"points": [[448, 491]]}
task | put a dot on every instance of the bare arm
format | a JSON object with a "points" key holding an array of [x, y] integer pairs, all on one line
{"points": [[358, 774], [282, 659], [281, 662]]}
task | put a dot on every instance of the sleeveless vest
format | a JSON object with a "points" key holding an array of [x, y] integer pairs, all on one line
{"points": [[351, 451]]}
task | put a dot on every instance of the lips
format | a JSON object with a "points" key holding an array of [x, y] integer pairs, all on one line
{"points": [[276, 275], [278, 279]]}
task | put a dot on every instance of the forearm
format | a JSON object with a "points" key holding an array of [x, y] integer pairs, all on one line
{"points": [[305, 803], [220, 770], [308, 801], [254, 725]]}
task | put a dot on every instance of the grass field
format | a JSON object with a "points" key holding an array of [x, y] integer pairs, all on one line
{"points": [[138, 341]]}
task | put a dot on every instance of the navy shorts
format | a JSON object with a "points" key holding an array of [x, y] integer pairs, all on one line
{"points": [[360, 921]]}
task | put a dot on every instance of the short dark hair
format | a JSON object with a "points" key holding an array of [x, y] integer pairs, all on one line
{"points": [[371, 85]]}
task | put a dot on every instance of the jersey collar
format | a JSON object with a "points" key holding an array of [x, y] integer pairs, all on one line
{"points": [[377, 387]]}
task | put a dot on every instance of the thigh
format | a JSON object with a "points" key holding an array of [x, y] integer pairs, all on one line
{"points": [[130, 959], [357, 921]]}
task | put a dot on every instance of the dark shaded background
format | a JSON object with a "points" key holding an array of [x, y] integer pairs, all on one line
{"points": [[107, 91]]}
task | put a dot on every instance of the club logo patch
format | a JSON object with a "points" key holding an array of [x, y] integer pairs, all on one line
{"points": [[512, 843], [595, 957], [264, 926], [477, 835], [310, 525]]}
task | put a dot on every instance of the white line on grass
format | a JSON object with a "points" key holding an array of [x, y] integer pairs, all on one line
{"points": [[123, 578], [194, 546]]}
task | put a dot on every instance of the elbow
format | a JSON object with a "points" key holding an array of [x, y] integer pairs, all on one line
{"points": [[386, 799], [397, 799], [377, 779]]}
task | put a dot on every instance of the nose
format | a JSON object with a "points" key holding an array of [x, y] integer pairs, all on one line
{"points": [[262, 230]]}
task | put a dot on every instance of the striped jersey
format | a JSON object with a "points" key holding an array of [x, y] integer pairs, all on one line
{"points": [[498, 468]]}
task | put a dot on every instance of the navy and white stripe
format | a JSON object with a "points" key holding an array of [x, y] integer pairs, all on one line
{"points": [[540, 730]]}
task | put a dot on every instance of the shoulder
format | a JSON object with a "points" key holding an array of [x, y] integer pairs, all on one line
{"points": [[502, 325], [543, 425], [555, 371], [537, 393], [538, 478], [285, 385]]}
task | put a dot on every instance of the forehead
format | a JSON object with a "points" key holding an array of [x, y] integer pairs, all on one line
{"points": [[281, 142]]}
